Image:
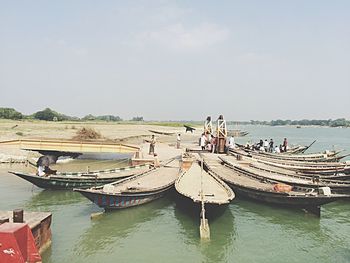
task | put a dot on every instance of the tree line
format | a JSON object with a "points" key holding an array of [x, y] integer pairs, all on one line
{"points": [[51, 115], [342, 122]]}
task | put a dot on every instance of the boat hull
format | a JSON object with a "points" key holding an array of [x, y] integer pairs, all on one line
{"points": [[188, 206], [283, 200], [123, 200], [67, 183]]}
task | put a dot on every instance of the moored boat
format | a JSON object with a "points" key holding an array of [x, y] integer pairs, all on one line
{"points": [[327, 156], [263, 172], [197, 186], [266, 191], [72, 180], [136, 190]]}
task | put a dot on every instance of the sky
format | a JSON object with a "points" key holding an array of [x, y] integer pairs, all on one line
{"points": [[177, 60]]}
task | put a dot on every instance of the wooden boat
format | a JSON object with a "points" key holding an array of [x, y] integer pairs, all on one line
{"points": [[196, 185], [318, 168], [162, 132], [237, 133], [136, 190], [265, 191], [262, 172], [325, 168], [66, 181], [335, 178], [328, 156]]}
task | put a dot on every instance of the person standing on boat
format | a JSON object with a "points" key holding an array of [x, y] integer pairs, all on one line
{"points": [[231, 142], [178, 140], [202, 141], [152, 145], [213, 144], [266, 145], [271, 146], [285, 145]]}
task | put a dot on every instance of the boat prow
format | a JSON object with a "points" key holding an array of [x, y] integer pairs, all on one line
{"points": [[198, 185]]}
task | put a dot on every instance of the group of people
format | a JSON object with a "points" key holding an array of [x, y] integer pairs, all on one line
{"points": [[268, 146], [209, 142]]}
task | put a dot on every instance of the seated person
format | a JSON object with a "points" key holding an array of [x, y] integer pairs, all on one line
{"points": [[49, 171], [41, 171]]}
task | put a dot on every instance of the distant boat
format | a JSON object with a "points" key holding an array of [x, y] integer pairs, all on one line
{"points": [[162, 132], [237, 133], [67, 181], [136, 190], [298, 127]]}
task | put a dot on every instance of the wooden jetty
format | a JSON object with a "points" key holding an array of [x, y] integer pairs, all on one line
{"points": [[38, 222], [71, 146], [135, 190], [66, 181]]}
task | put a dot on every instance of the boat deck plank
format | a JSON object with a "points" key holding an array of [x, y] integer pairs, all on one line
{"points": [[151, 180], [191, 183]]}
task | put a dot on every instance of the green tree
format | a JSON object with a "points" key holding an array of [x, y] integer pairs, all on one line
{"points": [[10, 113]]}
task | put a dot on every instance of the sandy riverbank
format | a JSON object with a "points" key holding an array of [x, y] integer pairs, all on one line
{"points": [[16, 130]]}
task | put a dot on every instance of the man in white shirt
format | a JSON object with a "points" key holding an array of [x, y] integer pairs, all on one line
{"points": [[266, 145], [202, 141], [178, 140], [231, 142]]}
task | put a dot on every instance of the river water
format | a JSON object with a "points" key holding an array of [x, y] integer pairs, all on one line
{"points": [[161, 232]]}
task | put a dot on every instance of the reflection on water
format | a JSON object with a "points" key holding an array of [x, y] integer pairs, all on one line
{"points": [[48, 200], [222, 234], [107, 230]]}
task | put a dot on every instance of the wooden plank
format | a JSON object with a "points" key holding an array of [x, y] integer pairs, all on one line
{"points": [[71, 146]]}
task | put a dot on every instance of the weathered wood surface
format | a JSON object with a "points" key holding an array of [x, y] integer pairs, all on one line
{"points": [[192, 182], [71, 146], [298, 180], [148, 181]]}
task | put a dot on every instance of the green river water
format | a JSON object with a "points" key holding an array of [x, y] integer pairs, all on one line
{"points": [[161, 232]]}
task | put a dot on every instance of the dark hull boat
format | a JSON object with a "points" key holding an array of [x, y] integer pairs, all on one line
{"points": [[136, 190], [65, 181], [265, 190], [263, 172]]}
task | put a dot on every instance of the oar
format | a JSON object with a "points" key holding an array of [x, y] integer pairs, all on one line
{"points": [[204, 226], [308, 147]]}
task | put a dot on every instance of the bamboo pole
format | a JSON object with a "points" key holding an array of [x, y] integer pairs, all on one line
{"points": [[204, 229]]}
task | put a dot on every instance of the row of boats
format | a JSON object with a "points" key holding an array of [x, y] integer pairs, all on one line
{"points": [[212, 180]]}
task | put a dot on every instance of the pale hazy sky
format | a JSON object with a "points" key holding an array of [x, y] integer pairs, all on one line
{"points": [[178, 60]]}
